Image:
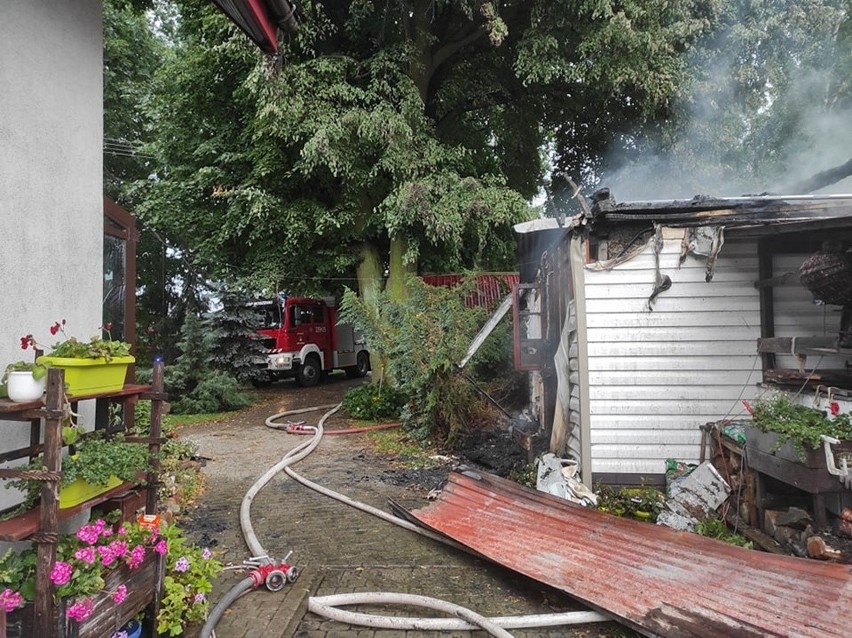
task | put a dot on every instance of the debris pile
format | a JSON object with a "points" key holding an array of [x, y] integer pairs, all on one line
{"points": [[694, 497], [793, 529]]}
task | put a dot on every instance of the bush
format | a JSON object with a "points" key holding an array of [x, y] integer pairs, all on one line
{"points": [[374, 402], [215, 392], [423, 338]]}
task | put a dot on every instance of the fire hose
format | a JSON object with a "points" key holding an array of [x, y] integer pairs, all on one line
{"points": [[275, 575]]}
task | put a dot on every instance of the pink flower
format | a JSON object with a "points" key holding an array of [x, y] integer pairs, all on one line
{"points": [[120, 594], [200, 598], [61, 573], [81, 610], [206, 554], [161, 547], [834, 406], [86, 554], [119, 548], [122, 531], [107, 555], [137, 554], [10, 600], [88, 534]]}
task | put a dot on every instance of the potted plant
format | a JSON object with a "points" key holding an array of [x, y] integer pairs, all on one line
{"points": [[95, 366], [23, 381], [98, 465], [104, 575], [792, 431]]}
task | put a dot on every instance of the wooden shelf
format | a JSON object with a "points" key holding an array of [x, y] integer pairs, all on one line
{"points": [[22, 527], [8, 407]]}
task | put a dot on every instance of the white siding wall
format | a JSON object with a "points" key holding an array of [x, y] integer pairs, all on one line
{"points": [[656, 376], [796, 315], [51, 177]]}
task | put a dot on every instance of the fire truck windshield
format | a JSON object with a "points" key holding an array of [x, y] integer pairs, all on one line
{"points": [[268, 315]]}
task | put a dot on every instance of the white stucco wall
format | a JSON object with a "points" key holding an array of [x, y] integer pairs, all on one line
{"points": [[51, 211]]}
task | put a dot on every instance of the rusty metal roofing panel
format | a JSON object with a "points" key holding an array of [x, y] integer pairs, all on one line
{"points": [[657, 580]]}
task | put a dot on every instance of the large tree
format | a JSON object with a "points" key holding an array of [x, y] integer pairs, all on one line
{"points": [[398, 136]]}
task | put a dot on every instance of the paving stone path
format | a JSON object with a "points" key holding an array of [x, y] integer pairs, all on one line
{"points": [[337, 548]]}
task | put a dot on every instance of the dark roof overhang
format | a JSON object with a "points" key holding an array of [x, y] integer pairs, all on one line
{"points": [[261, 19]]}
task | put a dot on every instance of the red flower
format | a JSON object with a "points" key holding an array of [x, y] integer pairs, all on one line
{"points": [[834, 407], [55, 328], [108, 326], [25, 342]]}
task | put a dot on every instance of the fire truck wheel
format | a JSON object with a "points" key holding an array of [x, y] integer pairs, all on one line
{"points": [[309, 372], [361, 367]]}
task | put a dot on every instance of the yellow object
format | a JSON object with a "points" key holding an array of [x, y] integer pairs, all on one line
{"points": [[90, 376], [79, 491]]}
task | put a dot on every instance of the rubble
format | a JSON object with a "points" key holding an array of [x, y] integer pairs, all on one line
{"points": [[556, 476], [693, 497]]}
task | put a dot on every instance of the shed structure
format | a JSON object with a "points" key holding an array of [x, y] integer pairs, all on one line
{"points": [[659, 317]]}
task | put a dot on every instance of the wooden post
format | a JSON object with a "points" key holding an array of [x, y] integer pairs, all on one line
{"points": [[48, 534], [155, 433]]}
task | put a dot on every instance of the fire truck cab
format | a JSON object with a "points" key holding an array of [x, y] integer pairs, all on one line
{"points": [[302, 339]]}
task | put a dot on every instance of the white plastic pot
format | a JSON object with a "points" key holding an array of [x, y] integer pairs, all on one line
{"points": [[21, 387]]}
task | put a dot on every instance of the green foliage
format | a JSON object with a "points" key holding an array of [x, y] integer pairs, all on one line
{"points": [[95, 348], [802, 424], [642, 503], [98, 459], [231, 333], [200, 388], [215, 392], [716, 528], [374, 402], [190, 572], [424, 337]]}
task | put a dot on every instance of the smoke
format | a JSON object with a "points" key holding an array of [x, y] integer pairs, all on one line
{"points": [[764, 112]]}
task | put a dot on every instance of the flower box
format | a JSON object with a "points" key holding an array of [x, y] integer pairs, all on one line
{"points": [[143, 587], [80, 491], [91, 376]]}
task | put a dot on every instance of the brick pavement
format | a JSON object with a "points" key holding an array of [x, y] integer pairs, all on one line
{"points": [[338, 548]]}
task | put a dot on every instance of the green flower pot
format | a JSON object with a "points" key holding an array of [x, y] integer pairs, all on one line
{"points": [[90, 376]]}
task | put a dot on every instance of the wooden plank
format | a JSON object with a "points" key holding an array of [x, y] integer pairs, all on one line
{"points": [[598, 362], [695, 348], [677, 291], [695, 304], [799, 345], [652, 450], [706, 410], [644, 422], [631, 438], [672, 335], [813, 481], [653, 378], [719, 318], [24, 526], [670, 393]]}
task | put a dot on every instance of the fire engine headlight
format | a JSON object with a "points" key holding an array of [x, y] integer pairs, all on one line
{"points": [[282, 360]]}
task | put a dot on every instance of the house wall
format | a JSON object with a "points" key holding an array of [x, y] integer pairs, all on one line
{"points": [[656, 375], [51, 202], [796, 314]]}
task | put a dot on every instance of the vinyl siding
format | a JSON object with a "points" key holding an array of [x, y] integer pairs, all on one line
{"points": [[656, 375]]}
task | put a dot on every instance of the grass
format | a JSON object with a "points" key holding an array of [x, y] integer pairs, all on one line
{"points": [[406, 452], [172, 421]]}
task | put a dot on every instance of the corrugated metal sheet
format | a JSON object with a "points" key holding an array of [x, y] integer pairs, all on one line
{"points": [[491, 288], [662, 373], [657, 580]]}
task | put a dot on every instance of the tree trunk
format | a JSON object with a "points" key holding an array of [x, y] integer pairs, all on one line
{"points": [[370, 279], [399, 270]]}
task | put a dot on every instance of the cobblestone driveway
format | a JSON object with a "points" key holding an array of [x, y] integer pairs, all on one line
{"points": [[337, 548]]}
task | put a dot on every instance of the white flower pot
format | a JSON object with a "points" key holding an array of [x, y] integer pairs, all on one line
{"points": [[21, 387]]}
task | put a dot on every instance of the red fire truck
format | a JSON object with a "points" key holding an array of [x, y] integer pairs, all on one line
{"points": [[302, 339]]}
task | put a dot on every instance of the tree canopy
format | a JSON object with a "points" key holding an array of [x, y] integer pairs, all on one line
{"points": [[393, 137]]}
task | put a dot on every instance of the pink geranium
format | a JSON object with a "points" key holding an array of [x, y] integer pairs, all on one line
{"points": [[137, 554], [10, 600], [81, 610], [119, 594], [161, 547], [86, 554], [61, 573]]}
